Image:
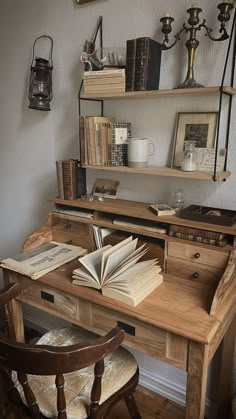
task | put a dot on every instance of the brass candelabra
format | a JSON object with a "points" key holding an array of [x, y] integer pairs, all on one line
{"points": [[192, 43]]}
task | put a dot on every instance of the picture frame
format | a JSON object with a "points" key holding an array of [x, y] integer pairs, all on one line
{"points": [[106, 188], [197, 126]]}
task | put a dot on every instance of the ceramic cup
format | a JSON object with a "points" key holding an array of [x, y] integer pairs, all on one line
{"points": [[138, 151]]}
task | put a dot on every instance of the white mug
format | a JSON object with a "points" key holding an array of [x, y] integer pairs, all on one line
{"points": [[138, 152]]}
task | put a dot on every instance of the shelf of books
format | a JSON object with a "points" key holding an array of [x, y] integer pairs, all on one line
{"points": [[160, 93], [163, 171]]}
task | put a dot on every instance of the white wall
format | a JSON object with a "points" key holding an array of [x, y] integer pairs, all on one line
{"points": [[31, 141]]}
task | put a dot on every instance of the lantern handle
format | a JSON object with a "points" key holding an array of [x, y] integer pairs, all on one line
{"points": [[50, 57]]}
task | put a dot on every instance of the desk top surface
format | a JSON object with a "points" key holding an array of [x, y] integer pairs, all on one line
{"points": [[177, 305]]}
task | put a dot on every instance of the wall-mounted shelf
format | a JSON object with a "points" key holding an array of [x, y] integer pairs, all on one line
{"points": [[163, 171], [163, 93]]}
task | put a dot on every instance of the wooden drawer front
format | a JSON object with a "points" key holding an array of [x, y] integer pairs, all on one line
{"points": [[71, 238], [197, 254], [65, 224], [193, 271], [65, 231], [149, 339], [55, 302]]}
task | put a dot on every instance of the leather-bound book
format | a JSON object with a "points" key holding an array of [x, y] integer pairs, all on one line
{"points": [[147, 64], [74, 178], [80, 179], [130, 65], [82, 141], [68, 167]]}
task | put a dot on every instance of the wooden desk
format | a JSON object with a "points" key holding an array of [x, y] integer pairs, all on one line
{"points": [[172, 325]]}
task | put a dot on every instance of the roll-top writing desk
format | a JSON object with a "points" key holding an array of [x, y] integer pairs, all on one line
{"points": [[183, 322]]}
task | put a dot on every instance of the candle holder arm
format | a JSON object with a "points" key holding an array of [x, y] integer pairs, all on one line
{"points": [[208, 30], [164, 45]]}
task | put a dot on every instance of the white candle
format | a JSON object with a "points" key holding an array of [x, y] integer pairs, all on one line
{"points": [[167, 14]]}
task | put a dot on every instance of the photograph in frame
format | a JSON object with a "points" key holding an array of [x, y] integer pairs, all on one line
{"points": [[106, 188], [194, 126]]}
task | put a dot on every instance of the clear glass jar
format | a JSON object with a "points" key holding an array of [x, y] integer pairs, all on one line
{"points": [[189, 162], [178, 203]]}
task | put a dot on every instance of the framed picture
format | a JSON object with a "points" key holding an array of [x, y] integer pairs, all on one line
{"points": [[198, 127], [106, 188]]}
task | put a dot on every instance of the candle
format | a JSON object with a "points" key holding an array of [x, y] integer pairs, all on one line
{"points": [[167, 14]]}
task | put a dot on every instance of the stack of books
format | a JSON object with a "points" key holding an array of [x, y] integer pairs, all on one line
{"points": [[201, 236], [103, 142], [104, 81], [71, 179], [143, 62]]}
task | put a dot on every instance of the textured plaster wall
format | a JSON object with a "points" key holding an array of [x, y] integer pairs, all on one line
{"points": [[31, 141]]}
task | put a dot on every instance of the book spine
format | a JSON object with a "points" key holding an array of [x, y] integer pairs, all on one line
{"points": [[69, 180], [130, 65], [197, 232], [82, 141], [154, 66], [120, 134], [147, 67], [60, 185], [199, 239], [104, 73], [80, 180]]}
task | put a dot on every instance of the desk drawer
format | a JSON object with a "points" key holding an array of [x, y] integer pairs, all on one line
{"points": [[193, 271], [71, 238], [55, 302], [149, 339], [197, 254], [64, 230]]}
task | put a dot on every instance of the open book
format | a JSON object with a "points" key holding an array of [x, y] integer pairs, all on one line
{"points": [[115, 271], [37, 262]]}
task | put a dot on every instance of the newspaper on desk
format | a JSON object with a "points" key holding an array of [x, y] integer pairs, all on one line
{"points": [[37, 262]]}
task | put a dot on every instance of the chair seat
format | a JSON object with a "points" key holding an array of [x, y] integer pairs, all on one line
{"points": [[119, 368]]}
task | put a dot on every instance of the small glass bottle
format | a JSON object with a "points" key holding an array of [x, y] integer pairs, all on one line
{"points": [[178, 203], [189, 162]]}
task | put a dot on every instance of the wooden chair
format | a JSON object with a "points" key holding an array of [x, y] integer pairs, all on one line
{"points": [[73, 374]]}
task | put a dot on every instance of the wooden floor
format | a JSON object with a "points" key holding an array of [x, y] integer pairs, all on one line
{"points": [[150, 405]]}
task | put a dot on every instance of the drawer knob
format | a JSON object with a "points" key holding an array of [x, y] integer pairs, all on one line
{"points": [[197, 255], [67, 226], [195, 275]]}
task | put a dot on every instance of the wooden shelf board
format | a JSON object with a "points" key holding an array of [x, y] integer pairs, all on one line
{"points": [[139, 210], [162, 93], [162, 171]]}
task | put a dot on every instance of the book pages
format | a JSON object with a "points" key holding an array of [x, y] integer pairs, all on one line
{"points": [[127, 263], [108, 252], [118, 256], [92, 262]]}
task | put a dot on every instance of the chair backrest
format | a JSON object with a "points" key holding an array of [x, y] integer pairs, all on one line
{"points": [[7, 294], [49, 360]]}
